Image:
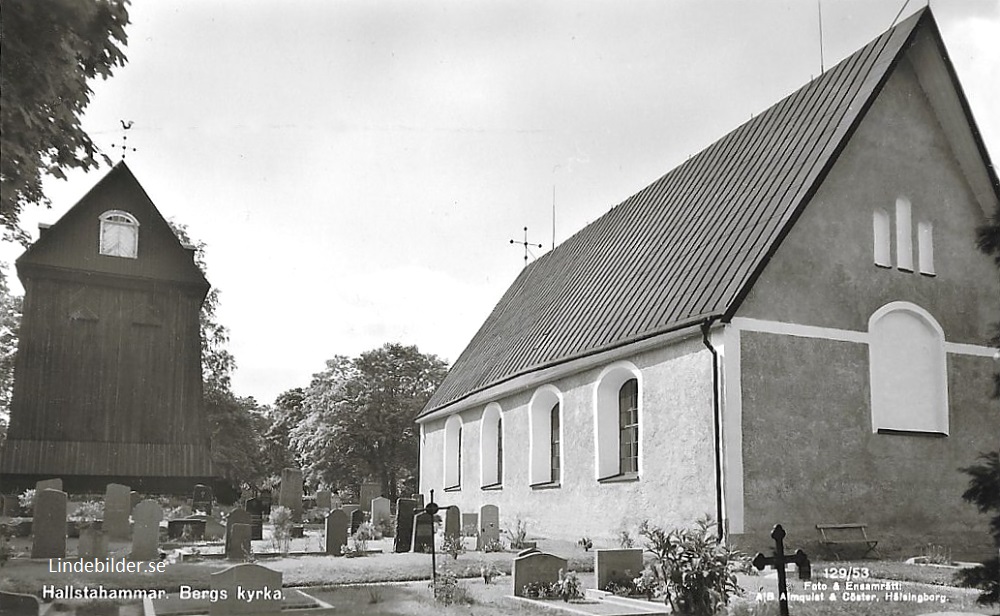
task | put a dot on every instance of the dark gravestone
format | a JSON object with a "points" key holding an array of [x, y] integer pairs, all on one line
{"points": [[357, 519], [117, 509], [202, 498], [11, 508], [324, 499], [188, 529], [420, 500], [238, 542], [236, 516], [423, 533], [17, 604], [255, 508], [48, 484], [470, 524], [489, 526], [48, 525], [368, 492], [404, 525], [290, 492], [616, 565], [93, 544], [265, 502], [133, 500], [453, 522], [536, 567], [336, 532]]}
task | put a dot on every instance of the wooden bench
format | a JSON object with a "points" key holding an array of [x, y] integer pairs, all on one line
{"points": [[834, 535]]}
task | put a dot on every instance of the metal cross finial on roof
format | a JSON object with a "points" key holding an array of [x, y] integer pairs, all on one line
{"points": [[124, 144], [526, 244]]}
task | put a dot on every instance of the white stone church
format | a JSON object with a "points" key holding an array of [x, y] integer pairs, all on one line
{"points": [[790, 327]]}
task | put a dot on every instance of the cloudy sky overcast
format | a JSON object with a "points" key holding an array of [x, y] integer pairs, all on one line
{"points": [[358, 168]]}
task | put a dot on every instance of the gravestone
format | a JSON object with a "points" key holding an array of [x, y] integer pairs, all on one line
{"points": [[349, 510], [146, 519], [202, 499], [237, 517], [357, 519], [404, 525], [11, 507], [324, 500], [48, 484], [423, 533], [238, 542], [133, 499], [290, 493], [117, 508], [335, 501], [17, 604], [616, 565], [266, 499], [420, 500], [536, 567], [381, 512], [187, 529], [48, 525], [263, 585], [369, 492], [453, 522], [255, 508], [336, 532], [93, 543], [489, 526], [213, 528], [470, 524]]}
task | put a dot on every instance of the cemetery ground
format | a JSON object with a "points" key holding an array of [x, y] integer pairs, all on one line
{"points": [[384, 583]]}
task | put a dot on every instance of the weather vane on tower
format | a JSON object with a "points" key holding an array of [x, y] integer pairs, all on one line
{"points": [[124, 144], [526, 244]]}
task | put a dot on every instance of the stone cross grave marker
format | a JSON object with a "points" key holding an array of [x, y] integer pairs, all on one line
{"points": [[536, 567], [336, 532], [290, 492], [48, 525], [616, 565], [255, 508], [117, 508], [357, 519], [489, 525], [202, 499], [404, 525], [453, 522], [146, 516], [250, 589], [778, 561], [368, 492], [381, 511], [324, 499]]}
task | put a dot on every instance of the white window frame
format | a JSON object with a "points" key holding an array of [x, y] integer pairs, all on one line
{"points": [[117, 222], [540, 437], [490, 439], [453, 453], [607, 463]]}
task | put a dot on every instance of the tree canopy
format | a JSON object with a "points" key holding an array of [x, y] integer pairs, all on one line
{"points": [[49, 49], [357, 420]]}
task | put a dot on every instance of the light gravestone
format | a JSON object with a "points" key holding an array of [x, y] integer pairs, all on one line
{"points": [[260, 584], [616, 565], [369, 492], [202, 499], [489, 526], [404, 525], [357, 519], [48, 525], [536, 567], [238, 517], [255, 507], [290, 493], [324, 499], [381, 512], [146, 516], [453, 522], [336, 532], [93, 543], [423, 533], [117, 507]]}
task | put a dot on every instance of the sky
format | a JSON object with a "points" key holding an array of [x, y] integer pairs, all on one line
{"points": [[358, 169]]}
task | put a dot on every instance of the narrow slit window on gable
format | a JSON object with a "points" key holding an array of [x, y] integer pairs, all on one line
{"points": [[904, 239], [883, 255], [925, 248]]}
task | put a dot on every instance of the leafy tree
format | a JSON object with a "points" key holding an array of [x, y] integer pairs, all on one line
{"points": [[49, 49], [359, 418], [288, 411], [10, 321]]}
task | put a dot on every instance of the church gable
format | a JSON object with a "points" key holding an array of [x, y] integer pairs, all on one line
{"points": [[115, 230]]}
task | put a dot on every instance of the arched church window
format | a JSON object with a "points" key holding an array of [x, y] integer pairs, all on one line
{"points": [[618, 418], [119, 234], [544, 442], [491, 447], [908, 371], [453, 453]]}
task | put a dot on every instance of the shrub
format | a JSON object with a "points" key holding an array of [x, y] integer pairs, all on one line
{"points": [[539, 590], [386, 527], [453, 545], [625, 540], [281, 519], [568, 587], [27, 501], [493, 545], [88, 511], [448, 591], [518, 534], [361, 537], [699, 572], [984, 492], [648, 584], [585, 543]]}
